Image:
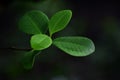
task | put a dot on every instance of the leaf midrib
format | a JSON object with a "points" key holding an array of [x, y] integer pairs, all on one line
{"points": [[35, 26], [68, 43], [57, 22]]}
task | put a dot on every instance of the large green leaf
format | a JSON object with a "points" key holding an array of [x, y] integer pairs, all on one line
{"points": [[59, 21], [40, 41], [28, 58], [34, 22], [75, 46]]}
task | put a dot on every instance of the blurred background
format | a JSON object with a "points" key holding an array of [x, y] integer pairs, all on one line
{"points": [[97, 20]]}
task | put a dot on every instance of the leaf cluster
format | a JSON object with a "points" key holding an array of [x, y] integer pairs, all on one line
{"points": [[37, 23]]}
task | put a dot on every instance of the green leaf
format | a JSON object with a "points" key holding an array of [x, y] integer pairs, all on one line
{"points": [[75, 46], [59, 21], [40, 41], [34, 22], [28, 59]]}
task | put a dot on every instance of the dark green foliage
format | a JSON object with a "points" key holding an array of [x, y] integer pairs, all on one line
{"points": [[36, 22], [28, 58]]}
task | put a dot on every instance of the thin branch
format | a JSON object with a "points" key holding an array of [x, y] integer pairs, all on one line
{"points": [[16, 49]]}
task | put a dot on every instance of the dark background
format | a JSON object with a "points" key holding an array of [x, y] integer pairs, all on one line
{"points": [[97, 20]]}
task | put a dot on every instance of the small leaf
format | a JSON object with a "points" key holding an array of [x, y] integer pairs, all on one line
{"points": [[34, 22], [40, 41], [28, 59], [59, 21], [75, 46]]}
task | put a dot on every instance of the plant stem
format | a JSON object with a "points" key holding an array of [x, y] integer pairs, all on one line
{"points": [[17, 49]]}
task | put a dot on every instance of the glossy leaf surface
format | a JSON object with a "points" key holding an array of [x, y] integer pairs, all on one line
{"points": [[75, 46], [59, 21], [40, 41]]}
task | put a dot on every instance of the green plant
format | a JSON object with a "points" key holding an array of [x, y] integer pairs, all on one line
{"points": [[37, 24]]}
